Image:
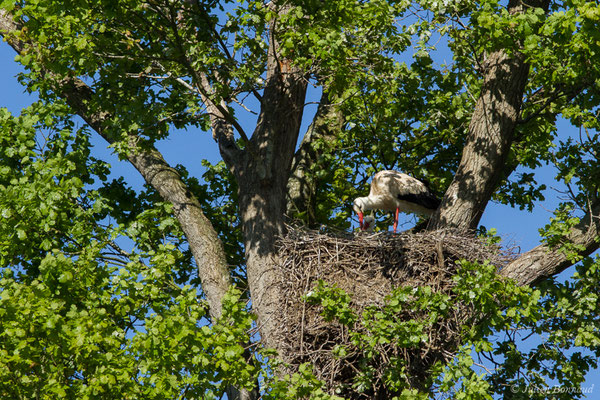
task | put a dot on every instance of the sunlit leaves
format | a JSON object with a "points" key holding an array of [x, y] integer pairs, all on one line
{"points": [[77, 339], [334, 301], [556, 233], [92, 301], [505, 317], [341, 41], [300, 385], [42, 183], [183, 355], [564, 321], [93, 297]]}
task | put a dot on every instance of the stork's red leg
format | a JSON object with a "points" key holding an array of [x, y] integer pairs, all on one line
{"points": [[360, 221], [396, 219]]}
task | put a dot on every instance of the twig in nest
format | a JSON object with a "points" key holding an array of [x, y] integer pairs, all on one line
{"points": [[440, 254]]}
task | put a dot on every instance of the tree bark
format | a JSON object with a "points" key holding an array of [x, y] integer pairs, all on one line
{"points": [[491, 133], [262, 177], [302, 184], [261, 170]]}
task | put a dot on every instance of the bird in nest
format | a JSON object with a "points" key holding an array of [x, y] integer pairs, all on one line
{"points": [[395, 191]]}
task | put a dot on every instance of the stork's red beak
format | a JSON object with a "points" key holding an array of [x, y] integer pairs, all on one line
{"points": [[360, 221]]}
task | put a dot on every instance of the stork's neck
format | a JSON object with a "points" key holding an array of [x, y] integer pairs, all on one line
{"points": [[371, 202]]}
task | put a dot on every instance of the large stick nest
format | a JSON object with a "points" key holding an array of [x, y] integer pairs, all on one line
{"points": [[368, 267]]}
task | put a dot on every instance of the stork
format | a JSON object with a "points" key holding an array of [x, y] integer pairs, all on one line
{"points": [[392, 190]]}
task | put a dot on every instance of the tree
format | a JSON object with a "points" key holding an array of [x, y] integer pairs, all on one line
{"points": [[135, 70]]}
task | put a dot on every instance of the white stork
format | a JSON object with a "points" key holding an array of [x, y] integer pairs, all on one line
{"points": [[392, 190]]}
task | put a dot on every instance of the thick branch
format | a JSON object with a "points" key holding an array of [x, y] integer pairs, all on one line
{"points": [[542, 262], [202, 238], [222, 129], [490, 137], [302, 185], [491, 134]]}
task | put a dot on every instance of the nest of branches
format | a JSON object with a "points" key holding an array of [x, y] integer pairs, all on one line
{"points": [[368, 267]]}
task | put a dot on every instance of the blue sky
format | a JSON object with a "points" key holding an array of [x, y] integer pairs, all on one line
{"points": [[517, 228]]}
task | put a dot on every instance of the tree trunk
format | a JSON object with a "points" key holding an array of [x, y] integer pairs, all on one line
{"points": [[491, 133], [262, 183], [261, 170]]}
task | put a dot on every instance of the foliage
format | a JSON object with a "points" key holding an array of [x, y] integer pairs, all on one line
{"points": [[81, 317], [300, 385], [99, 296], [507, 317]]}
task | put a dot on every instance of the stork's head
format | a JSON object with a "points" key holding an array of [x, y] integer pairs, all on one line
{"points": [[359, 207]]}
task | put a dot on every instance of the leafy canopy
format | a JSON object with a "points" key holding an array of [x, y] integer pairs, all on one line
{"points": [[99, 297]]}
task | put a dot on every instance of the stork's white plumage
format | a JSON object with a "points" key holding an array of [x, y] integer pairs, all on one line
{"points": [[395, 191]]}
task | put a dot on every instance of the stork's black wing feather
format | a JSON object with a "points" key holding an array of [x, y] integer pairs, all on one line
{"points": [[425, 199]]}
